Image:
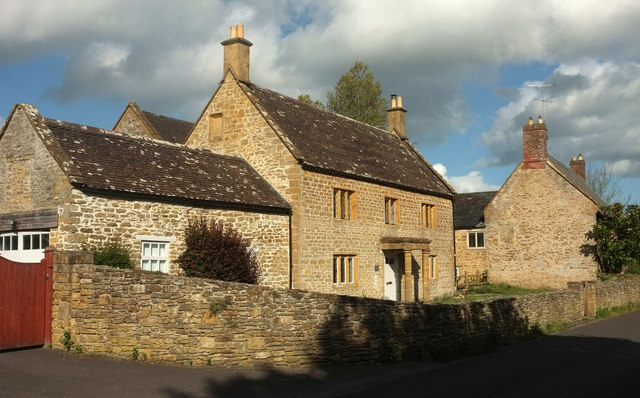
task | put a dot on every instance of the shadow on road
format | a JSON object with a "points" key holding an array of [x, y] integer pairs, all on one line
{"points": [[549, 366]]}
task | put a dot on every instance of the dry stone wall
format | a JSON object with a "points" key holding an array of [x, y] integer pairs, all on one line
{"points": [[198, 321]]}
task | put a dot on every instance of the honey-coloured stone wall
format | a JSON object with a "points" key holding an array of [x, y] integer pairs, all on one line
{"points": [[536, 226], [470, 260]]}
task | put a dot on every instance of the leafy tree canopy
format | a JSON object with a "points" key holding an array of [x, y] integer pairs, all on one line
{"points": [[306, 98], [358, 95], [617, 239]]}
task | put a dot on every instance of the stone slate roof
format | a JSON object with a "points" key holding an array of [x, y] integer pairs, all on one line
{"points": [[326, 142], [99, 160], [575, 180], [168, 128], [468, 209]]}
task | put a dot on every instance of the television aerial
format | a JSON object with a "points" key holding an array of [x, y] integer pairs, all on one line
{"points": [[544, 102]]}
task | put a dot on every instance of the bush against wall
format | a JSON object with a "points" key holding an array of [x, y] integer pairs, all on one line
{"points": [[216, 252], [113, 254], [617, 238]]}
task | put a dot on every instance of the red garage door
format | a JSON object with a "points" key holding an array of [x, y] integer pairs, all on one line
{"points": [[25, 302]]}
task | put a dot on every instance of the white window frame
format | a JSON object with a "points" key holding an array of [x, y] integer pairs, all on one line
{"points": [[160, 257], [475, 239], [15, 249]]}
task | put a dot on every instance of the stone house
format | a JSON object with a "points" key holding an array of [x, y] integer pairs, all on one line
{"points": [[75, 186], [137, 122], [370, 216], [468, 222], [536, 224]]}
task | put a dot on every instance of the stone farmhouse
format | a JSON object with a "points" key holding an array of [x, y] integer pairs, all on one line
{"points": [[75, 186], [331, 204], [530, 232], [370, 215]]}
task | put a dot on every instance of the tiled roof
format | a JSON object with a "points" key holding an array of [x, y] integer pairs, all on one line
{"points": [[575, 180], [101, 160], [468, 209], [170, 129], [334, 144]]}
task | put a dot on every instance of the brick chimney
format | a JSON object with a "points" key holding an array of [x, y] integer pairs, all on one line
{"points": [[396, 117], [236, 53], [534, 137], [578, 166]]}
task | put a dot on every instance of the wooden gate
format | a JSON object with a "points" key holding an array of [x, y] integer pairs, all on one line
{"points": [[25, 302]]}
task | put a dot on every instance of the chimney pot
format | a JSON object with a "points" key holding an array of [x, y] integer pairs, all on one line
{"points": [[540, 120], [578, 166], [236, 53], [396, 117], [534, 145], [232, 32]]}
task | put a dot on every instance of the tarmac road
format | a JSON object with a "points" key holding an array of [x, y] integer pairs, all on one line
{"points": [[600, 359]]}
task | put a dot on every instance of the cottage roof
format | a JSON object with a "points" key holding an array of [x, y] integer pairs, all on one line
{"points": [[468, 209], [575, 180], [161, 127], [104, 161], [170, 129], [330, 143]]}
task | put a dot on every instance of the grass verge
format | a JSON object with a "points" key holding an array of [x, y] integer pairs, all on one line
{"points": [[485, 292]]}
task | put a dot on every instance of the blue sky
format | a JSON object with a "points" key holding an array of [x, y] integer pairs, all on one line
{"points": [[463, 68]]}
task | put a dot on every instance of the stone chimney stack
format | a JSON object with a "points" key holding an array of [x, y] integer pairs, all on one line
{"points": [[236, 53], [578, 166], [396, 117], [534, 137]]}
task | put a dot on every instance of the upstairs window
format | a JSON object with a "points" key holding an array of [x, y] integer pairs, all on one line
{"points": [[428, 214], [476, 240], [344, 204], [390, 211], [344, 269]]}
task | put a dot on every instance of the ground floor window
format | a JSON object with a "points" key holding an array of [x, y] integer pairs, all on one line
{"points": [[433, 267], [344, 269], [24, 246], [154, 256], [475, 239]]}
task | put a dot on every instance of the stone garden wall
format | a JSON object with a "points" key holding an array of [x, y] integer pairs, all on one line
{"points": [[197, 321]]}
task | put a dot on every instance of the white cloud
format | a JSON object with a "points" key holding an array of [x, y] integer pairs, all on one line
{"points": [[593, 112], [472, 182]]}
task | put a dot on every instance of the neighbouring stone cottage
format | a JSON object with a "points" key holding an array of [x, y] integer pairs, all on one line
{"points": [[468, 222], [75, 186], [138, 122], [370, 217], [531, 232]]}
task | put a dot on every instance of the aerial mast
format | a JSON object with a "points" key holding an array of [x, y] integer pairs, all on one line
{"points": [[541, 87]]}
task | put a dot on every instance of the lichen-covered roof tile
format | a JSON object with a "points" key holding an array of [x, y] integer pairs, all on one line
{"points": [[336, 144], [110, 161]]}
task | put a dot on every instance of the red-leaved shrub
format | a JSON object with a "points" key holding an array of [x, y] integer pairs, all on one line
{"points": [[216, 252]]}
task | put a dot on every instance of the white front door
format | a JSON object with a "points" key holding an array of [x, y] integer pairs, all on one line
{"points": [[24, 247], [391, 277]]}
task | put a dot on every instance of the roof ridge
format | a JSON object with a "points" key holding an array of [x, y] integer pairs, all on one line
{"points": [[160, 142]]}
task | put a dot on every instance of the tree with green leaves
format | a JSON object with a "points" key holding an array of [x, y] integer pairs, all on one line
{"points": [[358, 95], [306, 98], [617, 239]]}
